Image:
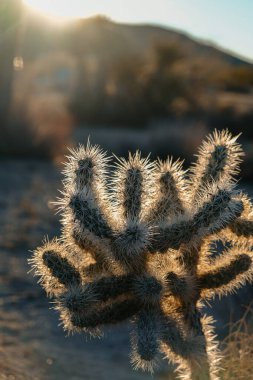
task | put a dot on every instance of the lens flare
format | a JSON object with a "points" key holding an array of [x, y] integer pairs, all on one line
{"points": [[65, 10]]}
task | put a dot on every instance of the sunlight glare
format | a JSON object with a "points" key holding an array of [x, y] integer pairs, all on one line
{"points": [[65, 9]]}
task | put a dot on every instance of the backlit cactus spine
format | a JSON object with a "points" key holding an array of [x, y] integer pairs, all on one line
{"points": [[137, 244]]}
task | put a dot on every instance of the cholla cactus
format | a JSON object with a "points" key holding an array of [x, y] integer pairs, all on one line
{"points": [[138, 244]]}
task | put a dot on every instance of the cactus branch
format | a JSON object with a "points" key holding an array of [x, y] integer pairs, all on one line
{"points": [[136, 245]]}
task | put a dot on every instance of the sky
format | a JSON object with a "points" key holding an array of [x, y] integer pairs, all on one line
{"points": [[226, 23]]}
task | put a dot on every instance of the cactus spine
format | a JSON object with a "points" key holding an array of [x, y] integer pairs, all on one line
{"points": [[137, 245]]}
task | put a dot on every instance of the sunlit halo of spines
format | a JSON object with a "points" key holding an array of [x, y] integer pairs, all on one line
{"points": [[138, 244], [218, 160]]}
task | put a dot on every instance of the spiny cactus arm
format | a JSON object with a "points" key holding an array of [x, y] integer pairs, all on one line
{"points": [[218, 160], [91, 232], [131, 243], [89, 217], [176, 342], [188, 258], [86, 168], [216, 212], [85, 206], [145, 340], [55, 269], [172, 236], [196, 356], [181, 286], [86, 300], [131, 184], [187, 343], [169, 195], [191, 362], [131, 187], [167, 277], [226, 273], [77, 298], [147, 289], [71, 322], [111, 313], [94, 270], [242, 227], [206, 364], [156, 327], [172, 337]]}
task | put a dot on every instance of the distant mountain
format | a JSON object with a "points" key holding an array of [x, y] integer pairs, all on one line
{"points": [[103, 37]]}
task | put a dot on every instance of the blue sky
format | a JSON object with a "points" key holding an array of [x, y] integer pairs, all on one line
{"points": [[227, 23]]}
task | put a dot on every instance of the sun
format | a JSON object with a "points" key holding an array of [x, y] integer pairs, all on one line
{"points": [[65, 9]]}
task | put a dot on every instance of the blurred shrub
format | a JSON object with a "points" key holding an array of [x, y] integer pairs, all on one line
{"points": [[50, 122], [133, 90], [40, 121], [43, 131], [238, 350], [239, 79]]}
